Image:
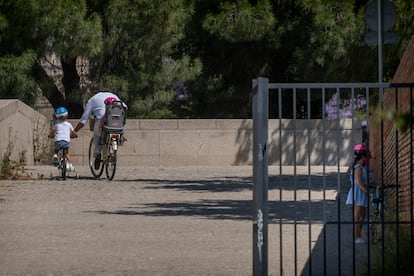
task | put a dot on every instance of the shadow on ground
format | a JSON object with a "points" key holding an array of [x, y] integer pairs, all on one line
{"points": [[285, 210], [307, 201]]}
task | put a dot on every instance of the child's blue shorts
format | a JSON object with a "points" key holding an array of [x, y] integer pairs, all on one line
{"points": [[62, 144]]}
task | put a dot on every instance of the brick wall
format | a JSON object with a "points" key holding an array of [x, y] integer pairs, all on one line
{"points": [[394, 163]]}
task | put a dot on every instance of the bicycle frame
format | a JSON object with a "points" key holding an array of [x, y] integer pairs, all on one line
{"points": [[62, 165], [111, 144]]}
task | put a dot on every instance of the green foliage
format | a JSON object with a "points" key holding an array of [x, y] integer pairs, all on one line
{"points": [[143, 49], [30, 31], [141, 62], [3, 23], [403, 120], [333, 32], [6, 162], [241, 21], [404, 29], [71, 31], [398, 259], [15, 78]]}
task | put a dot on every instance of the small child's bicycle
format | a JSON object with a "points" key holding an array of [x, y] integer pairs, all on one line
{"points": [[62, 164]]}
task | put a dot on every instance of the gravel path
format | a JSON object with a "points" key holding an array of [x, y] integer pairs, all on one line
{"points": [[147, 221]]}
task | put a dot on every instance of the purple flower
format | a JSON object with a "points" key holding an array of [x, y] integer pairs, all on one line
{"points": [[180, 90], [345, 108]]}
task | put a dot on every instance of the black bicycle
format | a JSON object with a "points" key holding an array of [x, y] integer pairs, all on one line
{"points": [[376, 218]]}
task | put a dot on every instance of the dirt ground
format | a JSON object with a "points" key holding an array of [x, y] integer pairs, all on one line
{"points": [[147, 221]]}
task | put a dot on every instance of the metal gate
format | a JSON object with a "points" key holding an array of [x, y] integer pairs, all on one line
{"points": [[302, 150]]}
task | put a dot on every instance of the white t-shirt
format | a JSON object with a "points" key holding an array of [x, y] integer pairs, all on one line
{"points": [[96, 106], [62, 130]]}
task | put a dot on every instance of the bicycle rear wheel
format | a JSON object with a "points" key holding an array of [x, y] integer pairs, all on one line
{"points": [[110, 166], [95, 172], [376, 229]]}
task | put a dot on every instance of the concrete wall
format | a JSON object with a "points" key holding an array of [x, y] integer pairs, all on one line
{"points": [[19, 125], [212, 142], [218, 142]]}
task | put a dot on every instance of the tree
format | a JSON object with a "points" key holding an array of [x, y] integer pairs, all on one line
{"points": [[232, 39], [186, 58], [33, 30], [140, 60], [296, 41]]}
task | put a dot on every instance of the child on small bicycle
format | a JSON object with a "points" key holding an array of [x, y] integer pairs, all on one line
{"points": [[62, 131]]}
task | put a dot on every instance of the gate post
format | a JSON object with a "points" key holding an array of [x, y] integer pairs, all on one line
{"points": [[260, 175]]}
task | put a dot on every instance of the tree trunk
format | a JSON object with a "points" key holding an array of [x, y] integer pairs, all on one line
{"points": [[47, 86], [71, 83]]}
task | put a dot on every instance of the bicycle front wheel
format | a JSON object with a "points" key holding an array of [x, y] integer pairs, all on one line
{"points": [[110, 167], [63, 168], [96, 171]]}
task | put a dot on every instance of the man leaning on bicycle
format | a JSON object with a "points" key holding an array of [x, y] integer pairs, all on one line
{"points": [[96, 107]]}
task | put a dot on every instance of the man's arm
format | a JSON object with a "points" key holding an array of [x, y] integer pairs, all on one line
{"points": [[85, 116], [79, 126]]}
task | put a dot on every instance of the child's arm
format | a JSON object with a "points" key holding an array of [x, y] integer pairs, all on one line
{"points": [[73, 134], [359, 181], [51, 133]]}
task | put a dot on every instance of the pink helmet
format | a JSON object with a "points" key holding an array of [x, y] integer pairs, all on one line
{"points": [[109, 100], [360, 150]]}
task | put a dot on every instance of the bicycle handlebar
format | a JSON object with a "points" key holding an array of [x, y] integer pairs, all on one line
{"points": [[389, 186]]}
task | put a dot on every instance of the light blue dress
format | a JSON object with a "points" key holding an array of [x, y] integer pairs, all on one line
{"points": [[361, 197]]}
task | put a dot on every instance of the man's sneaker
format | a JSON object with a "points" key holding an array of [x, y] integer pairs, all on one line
{"points": [[55, 160], [123, 140], [360, 240], [71, 167], [97, 161]]}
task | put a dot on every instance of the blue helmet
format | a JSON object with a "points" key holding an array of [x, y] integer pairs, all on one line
{"points": [[61, 112]]}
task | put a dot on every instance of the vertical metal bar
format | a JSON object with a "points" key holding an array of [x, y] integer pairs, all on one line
{"points": [[280, 180], [260, 176], [397, 209], [411, 180], [338, 190], [353, 112], [309, 122], [381, 96], [295, 231], [382, 162], [368, 181], [367, 112], [353, 187], [324, 180], [380, 41]]}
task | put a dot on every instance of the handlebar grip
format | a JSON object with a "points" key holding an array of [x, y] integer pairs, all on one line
{"points": [[385, 186]]}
